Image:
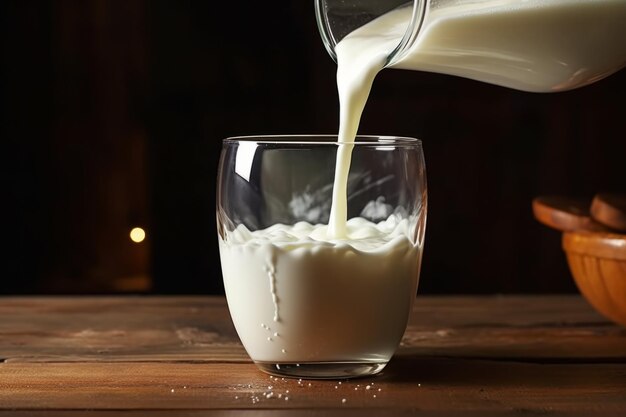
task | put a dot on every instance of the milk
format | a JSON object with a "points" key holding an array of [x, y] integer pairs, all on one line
{"points": [[296, 296], [531, 45], [342, 293]]}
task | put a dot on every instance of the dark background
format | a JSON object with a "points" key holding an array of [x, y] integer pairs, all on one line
{"points": [[113, 114]]}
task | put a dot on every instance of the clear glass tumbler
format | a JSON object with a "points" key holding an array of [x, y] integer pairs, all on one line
{"points": [[306, 305]]}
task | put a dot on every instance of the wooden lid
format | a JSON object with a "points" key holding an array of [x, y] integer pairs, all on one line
{"points": [[565, 214], [610, 210]]}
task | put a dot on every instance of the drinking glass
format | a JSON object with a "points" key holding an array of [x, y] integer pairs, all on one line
{"points": [[305, 304]]}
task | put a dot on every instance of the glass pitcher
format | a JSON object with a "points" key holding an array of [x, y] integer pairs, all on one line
{"points": [[535, 45]]}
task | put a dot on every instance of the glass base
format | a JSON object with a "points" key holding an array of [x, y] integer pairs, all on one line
{"points": [[322, 370]]}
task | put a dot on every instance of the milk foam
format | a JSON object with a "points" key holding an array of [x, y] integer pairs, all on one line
{"points": [[361, 235]]}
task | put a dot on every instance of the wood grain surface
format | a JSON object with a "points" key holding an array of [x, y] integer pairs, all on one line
{"points": [[133, 356]]}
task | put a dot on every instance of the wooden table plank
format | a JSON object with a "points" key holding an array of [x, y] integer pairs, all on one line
{"points": [[117, 329], [409, 382], [199, 329], [494, 355]]}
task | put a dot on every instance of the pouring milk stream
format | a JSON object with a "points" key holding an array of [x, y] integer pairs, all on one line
{"points": [[530, 45]]}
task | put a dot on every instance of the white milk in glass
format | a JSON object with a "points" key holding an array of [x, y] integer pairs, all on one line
{"points": [[296, 296]]}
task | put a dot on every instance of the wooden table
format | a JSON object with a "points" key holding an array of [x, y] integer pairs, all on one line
{"points": [[136, 356]]}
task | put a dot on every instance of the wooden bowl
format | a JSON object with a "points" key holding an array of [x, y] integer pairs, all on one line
{"points": [[598, 263]]}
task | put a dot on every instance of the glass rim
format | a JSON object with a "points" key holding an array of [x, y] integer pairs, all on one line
{"points": [[325, 139]]}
